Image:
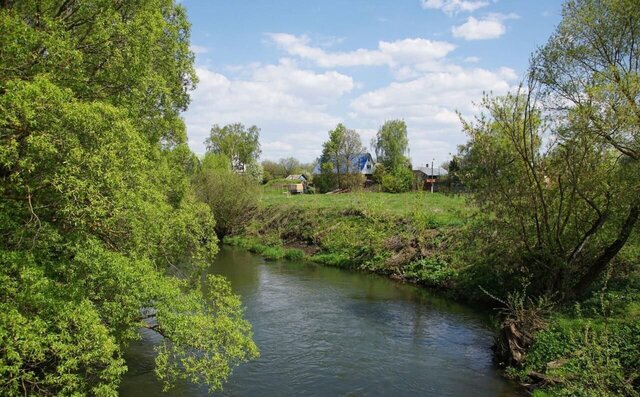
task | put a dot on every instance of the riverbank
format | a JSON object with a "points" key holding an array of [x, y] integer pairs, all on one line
{"points": [[403, 236], [425, 239]]}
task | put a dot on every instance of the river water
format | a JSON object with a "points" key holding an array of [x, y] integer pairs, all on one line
{"points": [[329, 332]]}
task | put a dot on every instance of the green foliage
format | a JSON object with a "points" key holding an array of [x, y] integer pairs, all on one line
{"points": [[294, 254], [353, 181], [382, 233], [378, 173], [274, 252], [101, 233], [327, 180], [215, 162], [338, 154], [397, 181], [589, 358], [205, 334], [431, 271], [391, 144], [241, 145], [231, 198]]}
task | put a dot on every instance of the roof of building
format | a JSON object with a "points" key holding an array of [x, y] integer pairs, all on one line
{"points": [[427, 171], [296, 176]]}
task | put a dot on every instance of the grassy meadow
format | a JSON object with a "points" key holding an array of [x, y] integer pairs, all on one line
{"points": [[445, 210]]}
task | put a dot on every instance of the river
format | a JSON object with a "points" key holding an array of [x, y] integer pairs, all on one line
{"points": [[328, 332]]}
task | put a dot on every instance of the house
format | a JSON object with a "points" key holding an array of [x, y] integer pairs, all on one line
{"points": [[362, 163], [427, 177]]}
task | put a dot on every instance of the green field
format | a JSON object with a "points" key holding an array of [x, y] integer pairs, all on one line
{"points": [[445, 210]]}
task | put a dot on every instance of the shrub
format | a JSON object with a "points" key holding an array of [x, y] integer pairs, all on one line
{"points": [[588, 358], [398, 181], [231, 198], [431, 271], [353, 181]]}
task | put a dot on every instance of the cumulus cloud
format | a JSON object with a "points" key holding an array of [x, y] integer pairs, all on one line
{"points": [[429, 103], [401, 52], [295, 106], [281, 99], [451, 7], [490, 27]]}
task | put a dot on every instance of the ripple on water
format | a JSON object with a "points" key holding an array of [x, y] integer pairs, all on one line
{"points": [[326, 332]]}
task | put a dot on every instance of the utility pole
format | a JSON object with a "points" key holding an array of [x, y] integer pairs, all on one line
{"points": [[432, 176]]}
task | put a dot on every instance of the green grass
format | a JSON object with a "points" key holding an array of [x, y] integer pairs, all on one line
{"points": [[437, 209]]}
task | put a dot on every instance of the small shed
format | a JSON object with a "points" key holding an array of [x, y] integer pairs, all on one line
{"points": [[297, 177], [295, 188]]}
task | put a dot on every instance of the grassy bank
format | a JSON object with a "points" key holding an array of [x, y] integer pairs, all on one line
{"points": [[403, 236], [589, 349]]}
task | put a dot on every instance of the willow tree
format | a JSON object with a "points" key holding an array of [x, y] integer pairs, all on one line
{"points": [[391, 143], [100, 233], [557, 164]]}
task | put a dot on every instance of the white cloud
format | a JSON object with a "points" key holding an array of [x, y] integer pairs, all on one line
{"points": [[472, 59], [198, 49], [490, 27], [428, 104], [282, 99], [451, 7], [401, 52], [296, 106]]}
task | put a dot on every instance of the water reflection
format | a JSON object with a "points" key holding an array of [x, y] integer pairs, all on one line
{"points": [[326, 332]]}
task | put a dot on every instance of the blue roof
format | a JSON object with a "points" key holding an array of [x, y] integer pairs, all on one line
{"points": [[358, 163]]}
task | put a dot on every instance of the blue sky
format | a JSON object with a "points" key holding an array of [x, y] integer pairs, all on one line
{"points": [[296, 68]]}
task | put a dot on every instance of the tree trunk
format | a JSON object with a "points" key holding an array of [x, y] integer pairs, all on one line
{"points": [[600, 264]]}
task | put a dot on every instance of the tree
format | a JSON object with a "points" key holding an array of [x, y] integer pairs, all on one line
{"points": [[238, 143], [552, 223], [272, 170], [289, 165], [390, 144], [341, 150], [565, 210], [589, 72], [230, 196], [100, 230]]}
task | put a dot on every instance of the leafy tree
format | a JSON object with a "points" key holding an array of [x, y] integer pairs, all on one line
{"points": [[340, 151], [397, 181], [238, 143], [212, 161], [552, 222], [272, 170], [100, 231], [390, 144], [590, 72], [378, 173], [230, 196], [289, 165], [255, 172], [565, 209]]}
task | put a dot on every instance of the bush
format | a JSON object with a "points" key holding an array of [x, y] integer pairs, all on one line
{"points": [[353, 182], [398, 181], [588, 358], [431, 271], [230, 196]]}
